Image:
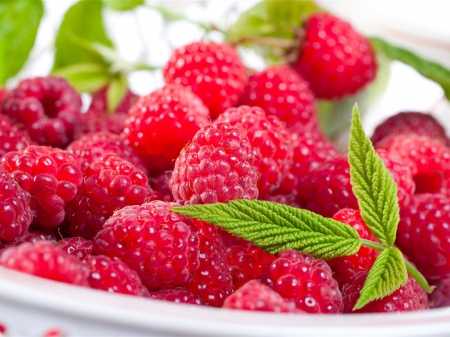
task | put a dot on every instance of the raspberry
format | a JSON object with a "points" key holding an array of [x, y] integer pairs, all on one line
{"points": [[11, 137], [50, 176], [114, 276], [334, 58], [279, 91], [271, 141], [255, 296], [98, 102], [92, 146], [97, 121], [42, 259], [213, 71], [407, 298], [440, 297], [289, 199], [424, 234], [162, 246], [32, 235], [410, 122], [15, 212], [178, 295], [159, 182], [217, 166], [212, 280], [110, 183], [346, 268], [162, 123], [48, 108], [3, 95], [77, 246], [304, 280]]}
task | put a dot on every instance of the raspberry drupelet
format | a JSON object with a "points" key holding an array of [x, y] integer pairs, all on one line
{"points": [[178, 295], [11, 137], [32, 235], [97, 121], [77, 246]]}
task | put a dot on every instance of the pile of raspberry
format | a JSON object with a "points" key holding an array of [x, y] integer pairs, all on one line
{"points": [[87, 196]]}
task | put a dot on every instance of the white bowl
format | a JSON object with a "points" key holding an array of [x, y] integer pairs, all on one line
{"points": [[30, 306]]}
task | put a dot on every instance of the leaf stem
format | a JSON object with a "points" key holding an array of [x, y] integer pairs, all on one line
{"points": [[417, 275], [266, 41], [374, 245], [144, 66]]}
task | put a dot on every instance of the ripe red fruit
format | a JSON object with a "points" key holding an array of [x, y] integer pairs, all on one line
{"points": [[334, 58], [98, 102], [11, 137], [48, 108], [3, 95], [440, 297], [97, 121], [217, 166], [32, 235], [160, 124], [77, 246], [279, 91], [178, 295], [213, 71]]}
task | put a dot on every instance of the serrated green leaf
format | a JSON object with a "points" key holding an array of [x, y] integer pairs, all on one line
{"points": [[276, 227], [372, 185], [116, 92], [427, 68], [86, 77], [19, 24], [123, 5], [83, 21], [387, 274]]}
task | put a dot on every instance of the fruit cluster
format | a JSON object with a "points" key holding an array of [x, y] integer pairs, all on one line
{"points": [[86, 196]]}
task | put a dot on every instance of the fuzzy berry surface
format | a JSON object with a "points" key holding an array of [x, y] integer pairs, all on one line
{"points": [[160, 124], [160, 245], [410, 122], [334, 58], [44, 260], [114, 276], [98, 121], [424, 234], [92, 146], [32, 236], [279, 91], [213, 71], [306, 281], [11, 137], [48, 108], [77, 246], [255, 296], [217, 166], [110, 183], [98, 102], [50, 176], [212, 280], [270, 139], [178, 295]]}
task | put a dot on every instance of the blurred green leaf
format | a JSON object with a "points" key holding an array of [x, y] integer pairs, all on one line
{"points": [[116, 92], [86, 77], [19, 22], [123, 5], [82, 22]]}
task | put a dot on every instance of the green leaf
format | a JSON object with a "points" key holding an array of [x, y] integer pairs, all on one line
{"points": [[290, 13], [427, 68], [83, 21], [123, 5], [116, 92], [387, 274], [86, 77], [19, 25], [276, 227], [372, 185]]}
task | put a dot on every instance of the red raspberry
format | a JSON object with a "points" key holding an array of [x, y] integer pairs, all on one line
{"points": [[410, 122], [77, 246], [424, 234], [159, 181], [114, 276], [212, 280], [217, 166], [346, 268], [98, 102], [306, 281], [92, 146], [47, 107], [162, 123], [334, 58], [11, 137], [178, 295], [3, 95], [162, 246], [289, 199], [50, 176], [15, 212], [213, 71], [97, 121], [279, 91], [271, 141], [110, 183], [32, 235], [440, 297], [255, 296], [42, 259], [407, 298]]}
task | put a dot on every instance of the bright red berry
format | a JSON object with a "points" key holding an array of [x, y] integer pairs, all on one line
{"points": [[97, 121], [213, 71], [50, 176], [217, 166], [160, 124], [162, 246], [159, 182], [32, 235], [77, 246], [3, 95], [48, 108], [178, 295], [11, 137], [440, 297], [98, 102], [334, 58]]}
